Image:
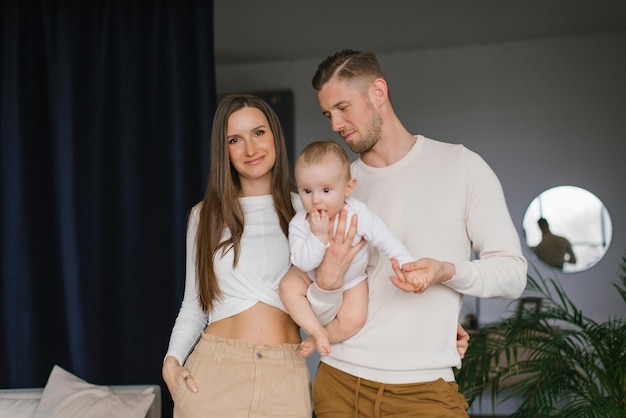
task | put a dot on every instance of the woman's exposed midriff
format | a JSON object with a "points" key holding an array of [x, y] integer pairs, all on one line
{"points": [[260, 324]]}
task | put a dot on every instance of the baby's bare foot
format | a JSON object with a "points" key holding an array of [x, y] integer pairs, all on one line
{"points": [[323, 347]]}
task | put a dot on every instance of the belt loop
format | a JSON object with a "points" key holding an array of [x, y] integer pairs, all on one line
{"points": [[356, 397], [291, 356]]}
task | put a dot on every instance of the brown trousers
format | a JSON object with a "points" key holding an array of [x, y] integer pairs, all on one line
{"points": [[237, 379], [337, 394]]}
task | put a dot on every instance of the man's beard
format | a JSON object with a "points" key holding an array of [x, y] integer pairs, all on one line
{"points": [[371, 137]]}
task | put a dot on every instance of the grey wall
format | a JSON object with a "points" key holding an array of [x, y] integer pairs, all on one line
{"points": [[542, 113]]}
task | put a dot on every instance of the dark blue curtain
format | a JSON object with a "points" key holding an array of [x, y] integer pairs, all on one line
{"points": [[105, 117]]}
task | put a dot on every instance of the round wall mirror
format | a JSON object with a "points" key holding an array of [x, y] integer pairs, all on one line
{"points": [[567, 228]]}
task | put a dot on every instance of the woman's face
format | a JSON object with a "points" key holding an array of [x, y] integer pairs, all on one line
{"points": [[251, 150]]}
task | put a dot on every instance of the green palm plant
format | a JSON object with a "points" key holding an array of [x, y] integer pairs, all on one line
{"points": [[556, 360]]}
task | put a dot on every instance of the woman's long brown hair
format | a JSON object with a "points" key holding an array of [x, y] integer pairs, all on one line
{"points": [[220, 206]]}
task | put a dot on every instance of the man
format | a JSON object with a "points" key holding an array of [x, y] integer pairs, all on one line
{"points": [[440, 200], [554, 250]]}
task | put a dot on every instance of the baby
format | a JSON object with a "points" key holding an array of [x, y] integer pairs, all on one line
{"points": [[322, 173]]}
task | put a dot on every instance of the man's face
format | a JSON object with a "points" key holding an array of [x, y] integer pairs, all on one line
{"points": [[352, 113]]}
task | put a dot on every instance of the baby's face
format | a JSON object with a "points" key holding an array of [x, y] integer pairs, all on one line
{"points": [[322, 186]]}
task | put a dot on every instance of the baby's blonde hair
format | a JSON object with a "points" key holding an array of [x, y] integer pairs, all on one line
{"points": [[315, 152]]}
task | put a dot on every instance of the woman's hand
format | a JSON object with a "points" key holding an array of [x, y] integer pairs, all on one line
{"points": [[174, 374]]}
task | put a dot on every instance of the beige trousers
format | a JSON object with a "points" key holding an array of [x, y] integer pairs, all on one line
{"points": [[237, 379]]}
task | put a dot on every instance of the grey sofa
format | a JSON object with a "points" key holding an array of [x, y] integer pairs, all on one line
{"points": [[27, 399]]}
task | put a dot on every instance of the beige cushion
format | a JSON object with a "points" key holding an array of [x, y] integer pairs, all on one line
{"points": [[18, 408], [67, 396]]}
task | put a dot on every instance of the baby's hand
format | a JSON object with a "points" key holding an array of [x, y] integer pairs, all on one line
{"points": [[410, 278], [319, 223], [418, 279]]}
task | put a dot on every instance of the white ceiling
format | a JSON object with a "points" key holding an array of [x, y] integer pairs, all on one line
{"points": [[249, 31]]}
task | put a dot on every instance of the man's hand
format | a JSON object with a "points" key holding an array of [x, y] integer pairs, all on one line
{"points": [[417, 276], [462, 340], [339, 254]]}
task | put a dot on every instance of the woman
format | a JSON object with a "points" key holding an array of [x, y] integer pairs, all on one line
{"points": [[247, 361]]}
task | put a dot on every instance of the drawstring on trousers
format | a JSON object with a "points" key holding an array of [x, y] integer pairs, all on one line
{"points": [[379, 398]]}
